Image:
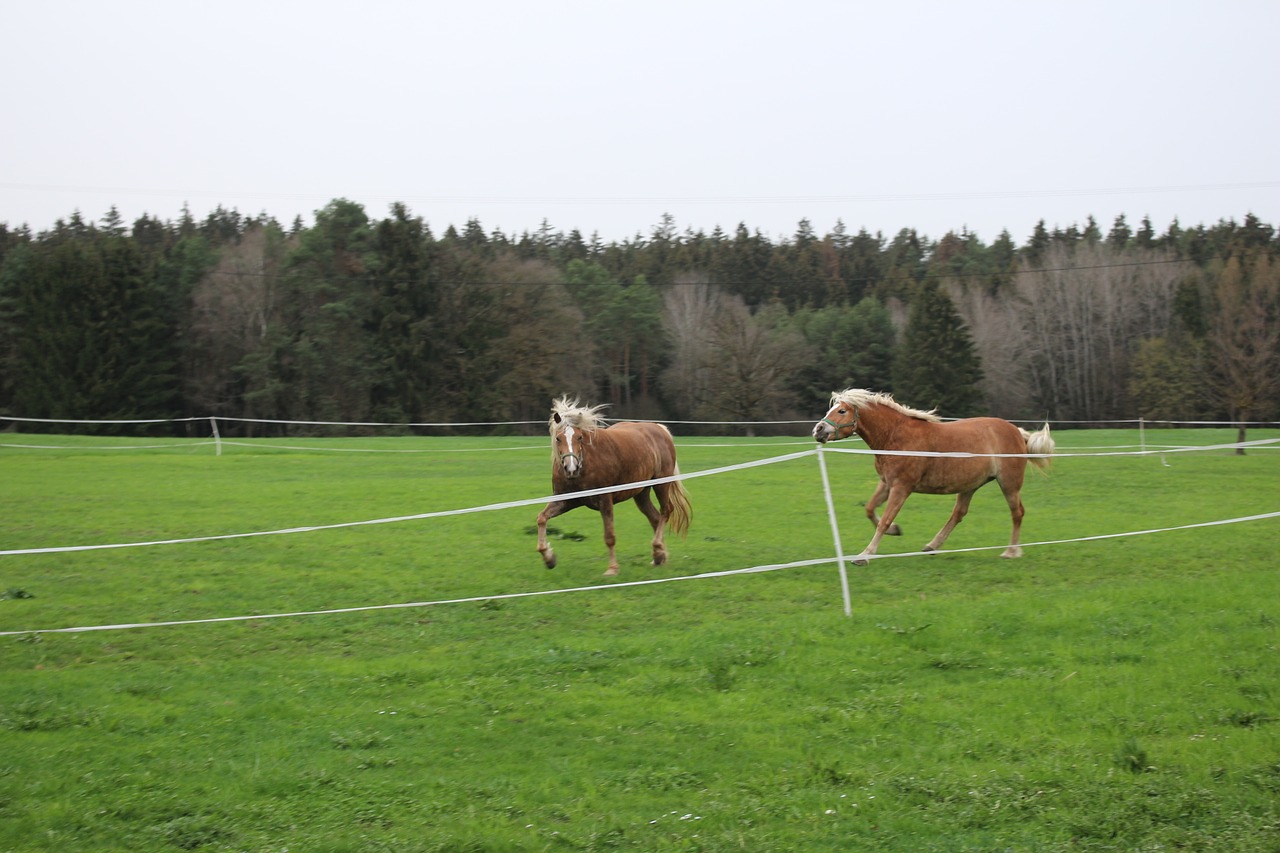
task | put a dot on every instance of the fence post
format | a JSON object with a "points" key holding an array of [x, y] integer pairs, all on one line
{"points": [[217, 439], [835, 533]]}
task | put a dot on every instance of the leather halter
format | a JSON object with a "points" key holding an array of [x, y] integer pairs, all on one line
{"points": [[577, 454], [852, 426]]}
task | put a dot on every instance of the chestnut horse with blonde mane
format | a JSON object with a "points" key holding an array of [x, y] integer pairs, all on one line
{"points": [[985, 449], [586, 454]]}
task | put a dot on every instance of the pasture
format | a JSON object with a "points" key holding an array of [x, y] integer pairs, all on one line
{"points": [[1100, 695]]}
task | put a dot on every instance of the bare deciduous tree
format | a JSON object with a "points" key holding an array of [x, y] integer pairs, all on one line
{"points": [[1059, 342], [688, 312], [1244, 339], [728, 363], [755, 361], [543, 353], [996, 330], [233, 308]]}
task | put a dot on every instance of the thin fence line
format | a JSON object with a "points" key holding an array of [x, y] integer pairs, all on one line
{"points": [[231, 419], [604, 490], [1094, 538], [416, 516], [958, 454], [441, 424], [263, 444], [255, 446], [174, 445], [626, 584], [415, 604], [376, 423], [118, 421]]}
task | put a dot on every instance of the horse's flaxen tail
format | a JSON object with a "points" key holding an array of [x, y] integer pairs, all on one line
{"points": [[1040, 442], [679, 514]]}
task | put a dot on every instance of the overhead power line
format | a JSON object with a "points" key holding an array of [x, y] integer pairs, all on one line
{"points": [[853, 198]]}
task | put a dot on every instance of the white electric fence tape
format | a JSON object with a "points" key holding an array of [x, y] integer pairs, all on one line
{"points": [[839, 557], [599, 587], [1056, 455], [417, 516]]}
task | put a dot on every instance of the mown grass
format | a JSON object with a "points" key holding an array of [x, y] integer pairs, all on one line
{"points": [[1119, 694]]}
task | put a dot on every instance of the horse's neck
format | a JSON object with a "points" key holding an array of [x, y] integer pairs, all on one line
{"points": [[881, 428], [599, 451]]}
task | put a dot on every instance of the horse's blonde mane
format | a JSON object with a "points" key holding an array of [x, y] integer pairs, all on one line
{"points": [[574, 414], [861, 397]]}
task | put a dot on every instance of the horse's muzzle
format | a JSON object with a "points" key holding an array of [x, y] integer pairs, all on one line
{"points": [[571, 465], [822, 432]]}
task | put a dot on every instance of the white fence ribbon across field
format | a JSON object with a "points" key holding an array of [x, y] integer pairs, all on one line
{"points": [[957, 454], [623, 584], [415, 517], [839, 557]]}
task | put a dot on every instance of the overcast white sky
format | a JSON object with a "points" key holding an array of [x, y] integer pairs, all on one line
{"points": [[602, 116]]}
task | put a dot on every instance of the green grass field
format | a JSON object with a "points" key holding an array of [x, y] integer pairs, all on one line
{"points": [[1114, 694]]}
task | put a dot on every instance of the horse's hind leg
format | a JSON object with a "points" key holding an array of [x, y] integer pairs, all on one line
{"points": [[958, 513], [1011, 484], [879, 497], [656, 520], [1016, 513]]}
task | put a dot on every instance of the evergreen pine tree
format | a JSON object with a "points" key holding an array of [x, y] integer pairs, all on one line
{"points": [[404, 303], [92, 336], [853, 347], [1037, 244], [937, 365]]}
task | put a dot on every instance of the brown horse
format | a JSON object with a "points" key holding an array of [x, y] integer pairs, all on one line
{"points": [[985, 449], [585, 455]]}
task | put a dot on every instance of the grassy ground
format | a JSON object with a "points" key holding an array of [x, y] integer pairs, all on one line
{"points": [[1119, 694]]}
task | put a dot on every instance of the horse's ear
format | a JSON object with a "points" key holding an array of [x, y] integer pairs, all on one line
{"points": [[555, 416]]}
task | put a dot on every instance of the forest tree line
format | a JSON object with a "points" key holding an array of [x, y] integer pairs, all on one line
{"points": [[358, 320]]}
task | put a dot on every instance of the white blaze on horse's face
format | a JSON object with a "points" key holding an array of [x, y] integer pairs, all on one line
{"points": [[570, 458], [822, 431], [838, 417]]}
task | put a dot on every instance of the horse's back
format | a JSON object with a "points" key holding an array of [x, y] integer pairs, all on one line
{"points": [[997, 434], [642, 444], [649, 429], [987, 439]]}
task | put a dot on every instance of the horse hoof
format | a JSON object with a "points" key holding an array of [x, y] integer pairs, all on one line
{"points": [[928, 549], [611, 572], [550, 561], [894, 530]]}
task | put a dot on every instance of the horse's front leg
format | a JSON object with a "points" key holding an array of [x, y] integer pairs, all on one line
{"points": [[897, 497], [877, 498], [551, 511], [606, 516], [958, 512]]}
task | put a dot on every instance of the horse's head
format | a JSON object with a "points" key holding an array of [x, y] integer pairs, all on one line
{"points": [[841, 421], [857, 410], [570, 425], [566, 446]]}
